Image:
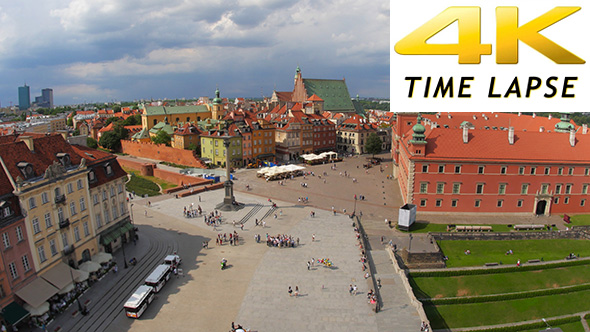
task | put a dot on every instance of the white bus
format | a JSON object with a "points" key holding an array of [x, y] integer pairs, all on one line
{"points": [[139, 301], [159, 277]]}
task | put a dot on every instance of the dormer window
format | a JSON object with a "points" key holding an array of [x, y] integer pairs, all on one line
{"points": [[108, 169], [91, 176], [64, 159], [26, 169]]}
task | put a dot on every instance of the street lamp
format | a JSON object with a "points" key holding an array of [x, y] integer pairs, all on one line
{"points": [[123, 246], [131, 211], [78, 297]]}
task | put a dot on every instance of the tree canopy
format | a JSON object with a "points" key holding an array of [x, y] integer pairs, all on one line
{"points": [[373, 144], [110, 140], [162, 137], [91, 142]]}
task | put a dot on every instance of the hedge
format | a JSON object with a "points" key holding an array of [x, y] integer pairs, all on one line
{"points": [[508, 296], [455, 273], [540, 325]]}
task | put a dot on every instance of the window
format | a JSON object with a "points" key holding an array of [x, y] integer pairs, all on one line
{"points": [[570, 171], [104, 195], [524, 189], [112, 191], [82, 204], [502, 189], [52, 247], [60, 214], [216, 152], [32, 203], [480, 170], [423, 187], [500, 203], [26, 264], [547, 170], [36, 227], [98, 221], [44, 198], [69, 188], [479, 188], [77, 233], [583, 202], [115, 212], [19, 234], [566, 200], [120, 186], [91, 176], [48, 223], [86, 229], [477, 203], [456, 188], [503, 170], [438, 203], [519, 203], [440, 188], [80, 184], [6, 240], [122, 207], [108, 169], [458, 169], [544, 188], [560, 171], [533, 170], [95, 199], [423, 202], [587, 171], [41, 252], [13, 271], [454, 203], [73, 208], [585, 188], [558, 188], [441, 168], [64, 239], [556, 200], [568, 189], [107, 216], [521, 170]]}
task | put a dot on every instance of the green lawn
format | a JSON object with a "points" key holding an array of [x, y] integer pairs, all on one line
{"points": [[494, 251], [570, 327], [493, 313], [142, 186], [164, 184], [474, 285], [579, 220]]}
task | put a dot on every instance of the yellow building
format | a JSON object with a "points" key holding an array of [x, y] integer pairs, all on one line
{"points": [[186, 135], [151, 115]]}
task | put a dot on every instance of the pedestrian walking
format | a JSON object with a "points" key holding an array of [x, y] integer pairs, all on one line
{"points": [[308, 265], [296, 291], [242, 227], [290, 291], [313, 238], [199, 198], [354, 289], [145, 213], [350, 289]]}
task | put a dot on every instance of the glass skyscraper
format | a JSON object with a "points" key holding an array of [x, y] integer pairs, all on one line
{"points": [[24, 97]]}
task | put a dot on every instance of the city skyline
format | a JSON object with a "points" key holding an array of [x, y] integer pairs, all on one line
{"points": [[123, 51]]}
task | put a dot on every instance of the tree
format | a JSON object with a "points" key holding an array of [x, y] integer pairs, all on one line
{"points": [[116, 108], [162, 137], [133, 120], [70, 121], [112, 119], [110, 140], [120, 130], [91, 142], [373, 144]]}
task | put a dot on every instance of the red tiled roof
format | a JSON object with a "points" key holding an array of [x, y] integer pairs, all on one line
{"points": [[522, 122], [96, 159], [284, 95], [493, 145], [134, 129], [315, 97], [107, 128]]}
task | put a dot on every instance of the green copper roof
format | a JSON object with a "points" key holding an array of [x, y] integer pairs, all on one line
{"points": [[141, 134], [418, 136], [162, 126], [358, 108], [333, 92], [564, 125], [164, 110], [217, 99]]}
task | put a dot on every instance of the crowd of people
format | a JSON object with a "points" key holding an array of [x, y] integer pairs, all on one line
{"points": [[191, 212], [233, 239], [282, 240]]}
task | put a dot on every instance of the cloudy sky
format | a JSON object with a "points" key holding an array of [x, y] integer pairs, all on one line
{"points": [[123, 50]]}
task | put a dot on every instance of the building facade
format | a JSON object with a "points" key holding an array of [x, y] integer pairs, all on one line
{"points": [[24, 97]]}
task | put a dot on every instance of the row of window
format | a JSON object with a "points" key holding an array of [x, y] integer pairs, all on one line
{"points": [[13, 270], [64, 238], [6, 237], [504, 170], [57, 192], [104, 193], [499, 203], [440, 188]]}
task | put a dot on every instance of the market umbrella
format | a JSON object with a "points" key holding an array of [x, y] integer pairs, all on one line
{"points": [[82, 277], [39, 311], [67, 288], [89, 266], [102, 257]]}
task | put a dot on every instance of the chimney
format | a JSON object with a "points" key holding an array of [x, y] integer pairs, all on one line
{"points": [[474, 117], [584, 129], [572, 137], [534, 115], [549, 117], [511, 135], [541, 129], [28, 141], [466, 134], [519, 113]]}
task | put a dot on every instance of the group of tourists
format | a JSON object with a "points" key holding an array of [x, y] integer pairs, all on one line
{"points": [[233, 238], [282, 240], [191, 212]]}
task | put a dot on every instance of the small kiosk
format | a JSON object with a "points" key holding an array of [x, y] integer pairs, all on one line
{"points": [[407, 216]]}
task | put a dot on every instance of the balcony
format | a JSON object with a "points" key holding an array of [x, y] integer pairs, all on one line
{"points": [[69, 249], [60, 199], [64, 223]]}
